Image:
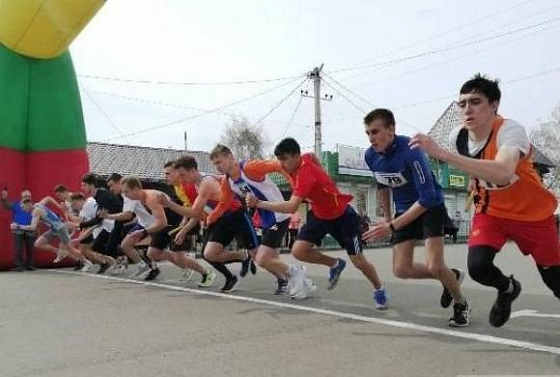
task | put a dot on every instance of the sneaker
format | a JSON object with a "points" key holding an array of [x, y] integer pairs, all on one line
{"points": [[141, 269], [335, 272], [501, 310], [207, 279], [282, 288], [381, 299], [87, 265], [296, 280], [187, 275], [460, 315], [230, 284], [103, 267], [253, 267], [118, 268], [154, 272], [446, 298], [60, 255], [245, 265]]}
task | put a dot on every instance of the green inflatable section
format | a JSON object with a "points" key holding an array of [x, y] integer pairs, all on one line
{"points": [[40, 107]]}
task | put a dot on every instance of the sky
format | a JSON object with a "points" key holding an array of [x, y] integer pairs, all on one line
{"points": [[149, 71]]}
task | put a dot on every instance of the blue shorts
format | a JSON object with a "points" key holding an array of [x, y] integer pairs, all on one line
{"points": [[345, 229]]}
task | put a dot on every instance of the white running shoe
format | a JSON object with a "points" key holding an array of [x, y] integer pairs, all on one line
{"points": [[296, 282], [87, 266], [142, 269]]}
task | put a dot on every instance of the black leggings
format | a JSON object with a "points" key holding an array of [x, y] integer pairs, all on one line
{"points": [[483, 270]]}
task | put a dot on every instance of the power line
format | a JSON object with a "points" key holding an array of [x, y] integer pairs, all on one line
{"points": [[448, 31], [293, 116], [167, 104], [447, 48], [107, 117], [344, 96], [217, 109], [281, 101], [187, 83]]}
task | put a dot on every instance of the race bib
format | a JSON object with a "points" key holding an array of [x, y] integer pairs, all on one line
{"points": [[390, 179]]}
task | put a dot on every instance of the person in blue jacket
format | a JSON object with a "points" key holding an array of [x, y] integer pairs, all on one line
{"points": [[419, 210]]}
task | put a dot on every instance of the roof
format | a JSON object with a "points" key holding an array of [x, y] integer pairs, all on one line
{"points": [[143, 162], [450, 119]]}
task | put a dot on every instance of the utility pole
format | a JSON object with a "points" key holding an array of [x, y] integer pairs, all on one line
{"points": [[315, 75], [185, 139]]}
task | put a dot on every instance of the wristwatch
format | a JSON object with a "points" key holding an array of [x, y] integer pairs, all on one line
{"points": [[392, 227]]}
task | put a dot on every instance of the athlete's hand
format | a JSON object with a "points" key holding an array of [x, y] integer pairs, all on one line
{"points": [[180, 237], [251, 200], [164, 200], [14, 226], [428, 145], [377, 231]]}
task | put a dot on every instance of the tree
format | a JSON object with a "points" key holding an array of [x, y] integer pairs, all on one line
{"points": [[547, 139], [247, 141]]}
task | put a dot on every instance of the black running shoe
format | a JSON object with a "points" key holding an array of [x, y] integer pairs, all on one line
{"points": [[460, 315], [282, 287], [104, 267], [501, 310], [230, 284], [446, 298], [245, 265], [154, 272], [253, 267]]}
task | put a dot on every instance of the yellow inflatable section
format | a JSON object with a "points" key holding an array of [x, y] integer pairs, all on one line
{"points": [[44, 28]]}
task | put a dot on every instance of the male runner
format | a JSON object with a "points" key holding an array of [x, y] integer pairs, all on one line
{"points": [[242, 178], [419, 210], [234, 221], [511, 202], [330, 213]]}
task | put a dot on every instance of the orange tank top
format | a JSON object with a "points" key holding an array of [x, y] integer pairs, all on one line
{"points": [[525, 198]]}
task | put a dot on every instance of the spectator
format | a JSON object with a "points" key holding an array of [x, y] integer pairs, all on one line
{"points": [[23, 239]]}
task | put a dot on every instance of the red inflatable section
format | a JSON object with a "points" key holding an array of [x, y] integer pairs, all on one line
{"points": [[39, 172]]}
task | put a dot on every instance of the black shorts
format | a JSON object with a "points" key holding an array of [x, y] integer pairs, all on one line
{"points": [[162, 240], [272, 237], [88, 240], [345, 229], [237, 225], [101, 241], [429, 224]]}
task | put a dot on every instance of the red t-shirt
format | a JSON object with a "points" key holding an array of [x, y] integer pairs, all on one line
{"points": [[311, 182]]}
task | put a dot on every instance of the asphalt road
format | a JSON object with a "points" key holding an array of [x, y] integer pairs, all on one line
{"points": [[58, 323]]}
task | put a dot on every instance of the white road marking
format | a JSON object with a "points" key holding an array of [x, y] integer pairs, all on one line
{"points": [[379, 321], [532, 313]]}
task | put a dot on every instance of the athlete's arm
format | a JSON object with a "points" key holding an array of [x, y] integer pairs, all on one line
{"points": [[49, 200], [159, 215], [499, 171], [122, 216], [226, 197], [290, 206]]}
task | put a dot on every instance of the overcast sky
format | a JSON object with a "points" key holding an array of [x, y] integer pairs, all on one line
{"points": [[409, 56]]}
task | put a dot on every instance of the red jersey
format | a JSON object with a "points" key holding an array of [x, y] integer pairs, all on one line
{"points": [[311, 182]]}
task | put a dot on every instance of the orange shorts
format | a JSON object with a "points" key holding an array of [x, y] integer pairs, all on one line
{"points": [[536, 238]]}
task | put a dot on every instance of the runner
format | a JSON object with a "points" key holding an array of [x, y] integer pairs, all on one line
{"points": [[234, 221], [242, 178], [419, 210], [511, 202], [57, 230], [330, 213]]}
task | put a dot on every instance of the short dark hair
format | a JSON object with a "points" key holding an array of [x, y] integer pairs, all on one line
{"points": [[479, 83], [186, 162], [90, 179], [60, 188], [169, 163], [115, 177], [385, 114], [220, 150], [77, 196], [288, 146]]}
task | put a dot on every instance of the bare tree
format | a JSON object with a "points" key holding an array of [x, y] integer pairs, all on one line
{"points": [[547, 139], [247, 141]]}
